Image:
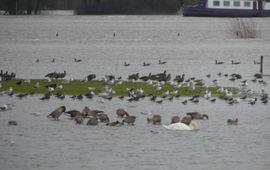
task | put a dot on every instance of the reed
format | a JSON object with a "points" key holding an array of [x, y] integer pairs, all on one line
{"points": [[242, 28]]}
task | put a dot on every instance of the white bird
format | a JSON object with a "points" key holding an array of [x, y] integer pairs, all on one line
{"points": [[101, 101], [36, 85], [50, 88], [182, 126], [60, 86]]}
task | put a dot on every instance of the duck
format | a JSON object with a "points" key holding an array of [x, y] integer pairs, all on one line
{"points": [[197, 115], [77, 60], [146, 64], [12, 122], [182, 126], [57, 112], [233, 62], [161, 62], [256, 62], [121, 113], [232, 121], [156, 119], [219, 62], [126, 64]]}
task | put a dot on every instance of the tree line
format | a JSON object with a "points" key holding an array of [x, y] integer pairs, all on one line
{"points": [[93, 6]]}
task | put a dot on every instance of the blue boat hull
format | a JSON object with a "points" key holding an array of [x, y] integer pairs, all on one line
{"points": [[214, 12]]}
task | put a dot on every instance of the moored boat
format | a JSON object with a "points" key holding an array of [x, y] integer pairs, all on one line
{"points": [[229, 8]]}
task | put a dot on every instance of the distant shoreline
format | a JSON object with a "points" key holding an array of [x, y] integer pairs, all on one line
{"points": [[73, 12]]}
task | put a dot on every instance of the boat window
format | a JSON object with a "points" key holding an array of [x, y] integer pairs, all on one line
{"points": [[216, 3], [247, 4], [226, 3], [236, 3]]}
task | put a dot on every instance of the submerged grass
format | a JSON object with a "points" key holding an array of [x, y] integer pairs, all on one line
{"points": [[77, 87]]}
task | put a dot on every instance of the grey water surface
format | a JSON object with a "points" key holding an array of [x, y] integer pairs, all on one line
{"points": [[40, 143]]}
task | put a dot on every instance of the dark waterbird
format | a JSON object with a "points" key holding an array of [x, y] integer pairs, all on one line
{"points": [[93, 121], [103, 118], [91, 77], [186, 119], [175, 119], [72, 113], [232, 121], [57, 112], [156, 120], [197, 115], [129, 120], [234, 62], [115, 123], [121, 113], [219, 62], [12, 122]]}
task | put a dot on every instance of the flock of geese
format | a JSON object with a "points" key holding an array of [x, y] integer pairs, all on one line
{"points": [[156, 80], [94, 117]]}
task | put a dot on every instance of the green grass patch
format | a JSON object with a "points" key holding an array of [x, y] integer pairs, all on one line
{"points": [[76, 87]]}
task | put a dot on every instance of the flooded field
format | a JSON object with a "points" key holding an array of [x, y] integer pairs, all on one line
{"points": [[190, 46]]}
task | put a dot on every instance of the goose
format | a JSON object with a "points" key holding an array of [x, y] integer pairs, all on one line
{"points": [[57, 34], [182, 126], [197, 115], [156, 119], [186, 120], [129, 120], [93, 121], [78, 119], [233, 62], [57, 112], [121, 113], [175, 119], [37, 60], [73, 113], [103, 118], [219, 62]]}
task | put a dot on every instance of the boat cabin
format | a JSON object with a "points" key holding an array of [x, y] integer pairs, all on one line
{"points": [[238, 4]]}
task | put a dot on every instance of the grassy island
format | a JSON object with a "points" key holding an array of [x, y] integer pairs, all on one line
{"points": [[78, 87]]}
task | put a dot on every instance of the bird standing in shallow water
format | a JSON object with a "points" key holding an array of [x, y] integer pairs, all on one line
{"points": [[57, 112]]}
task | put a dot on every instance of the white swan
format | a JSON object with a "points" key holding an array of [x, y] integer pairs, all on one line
{"points": [[181, 126]]}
